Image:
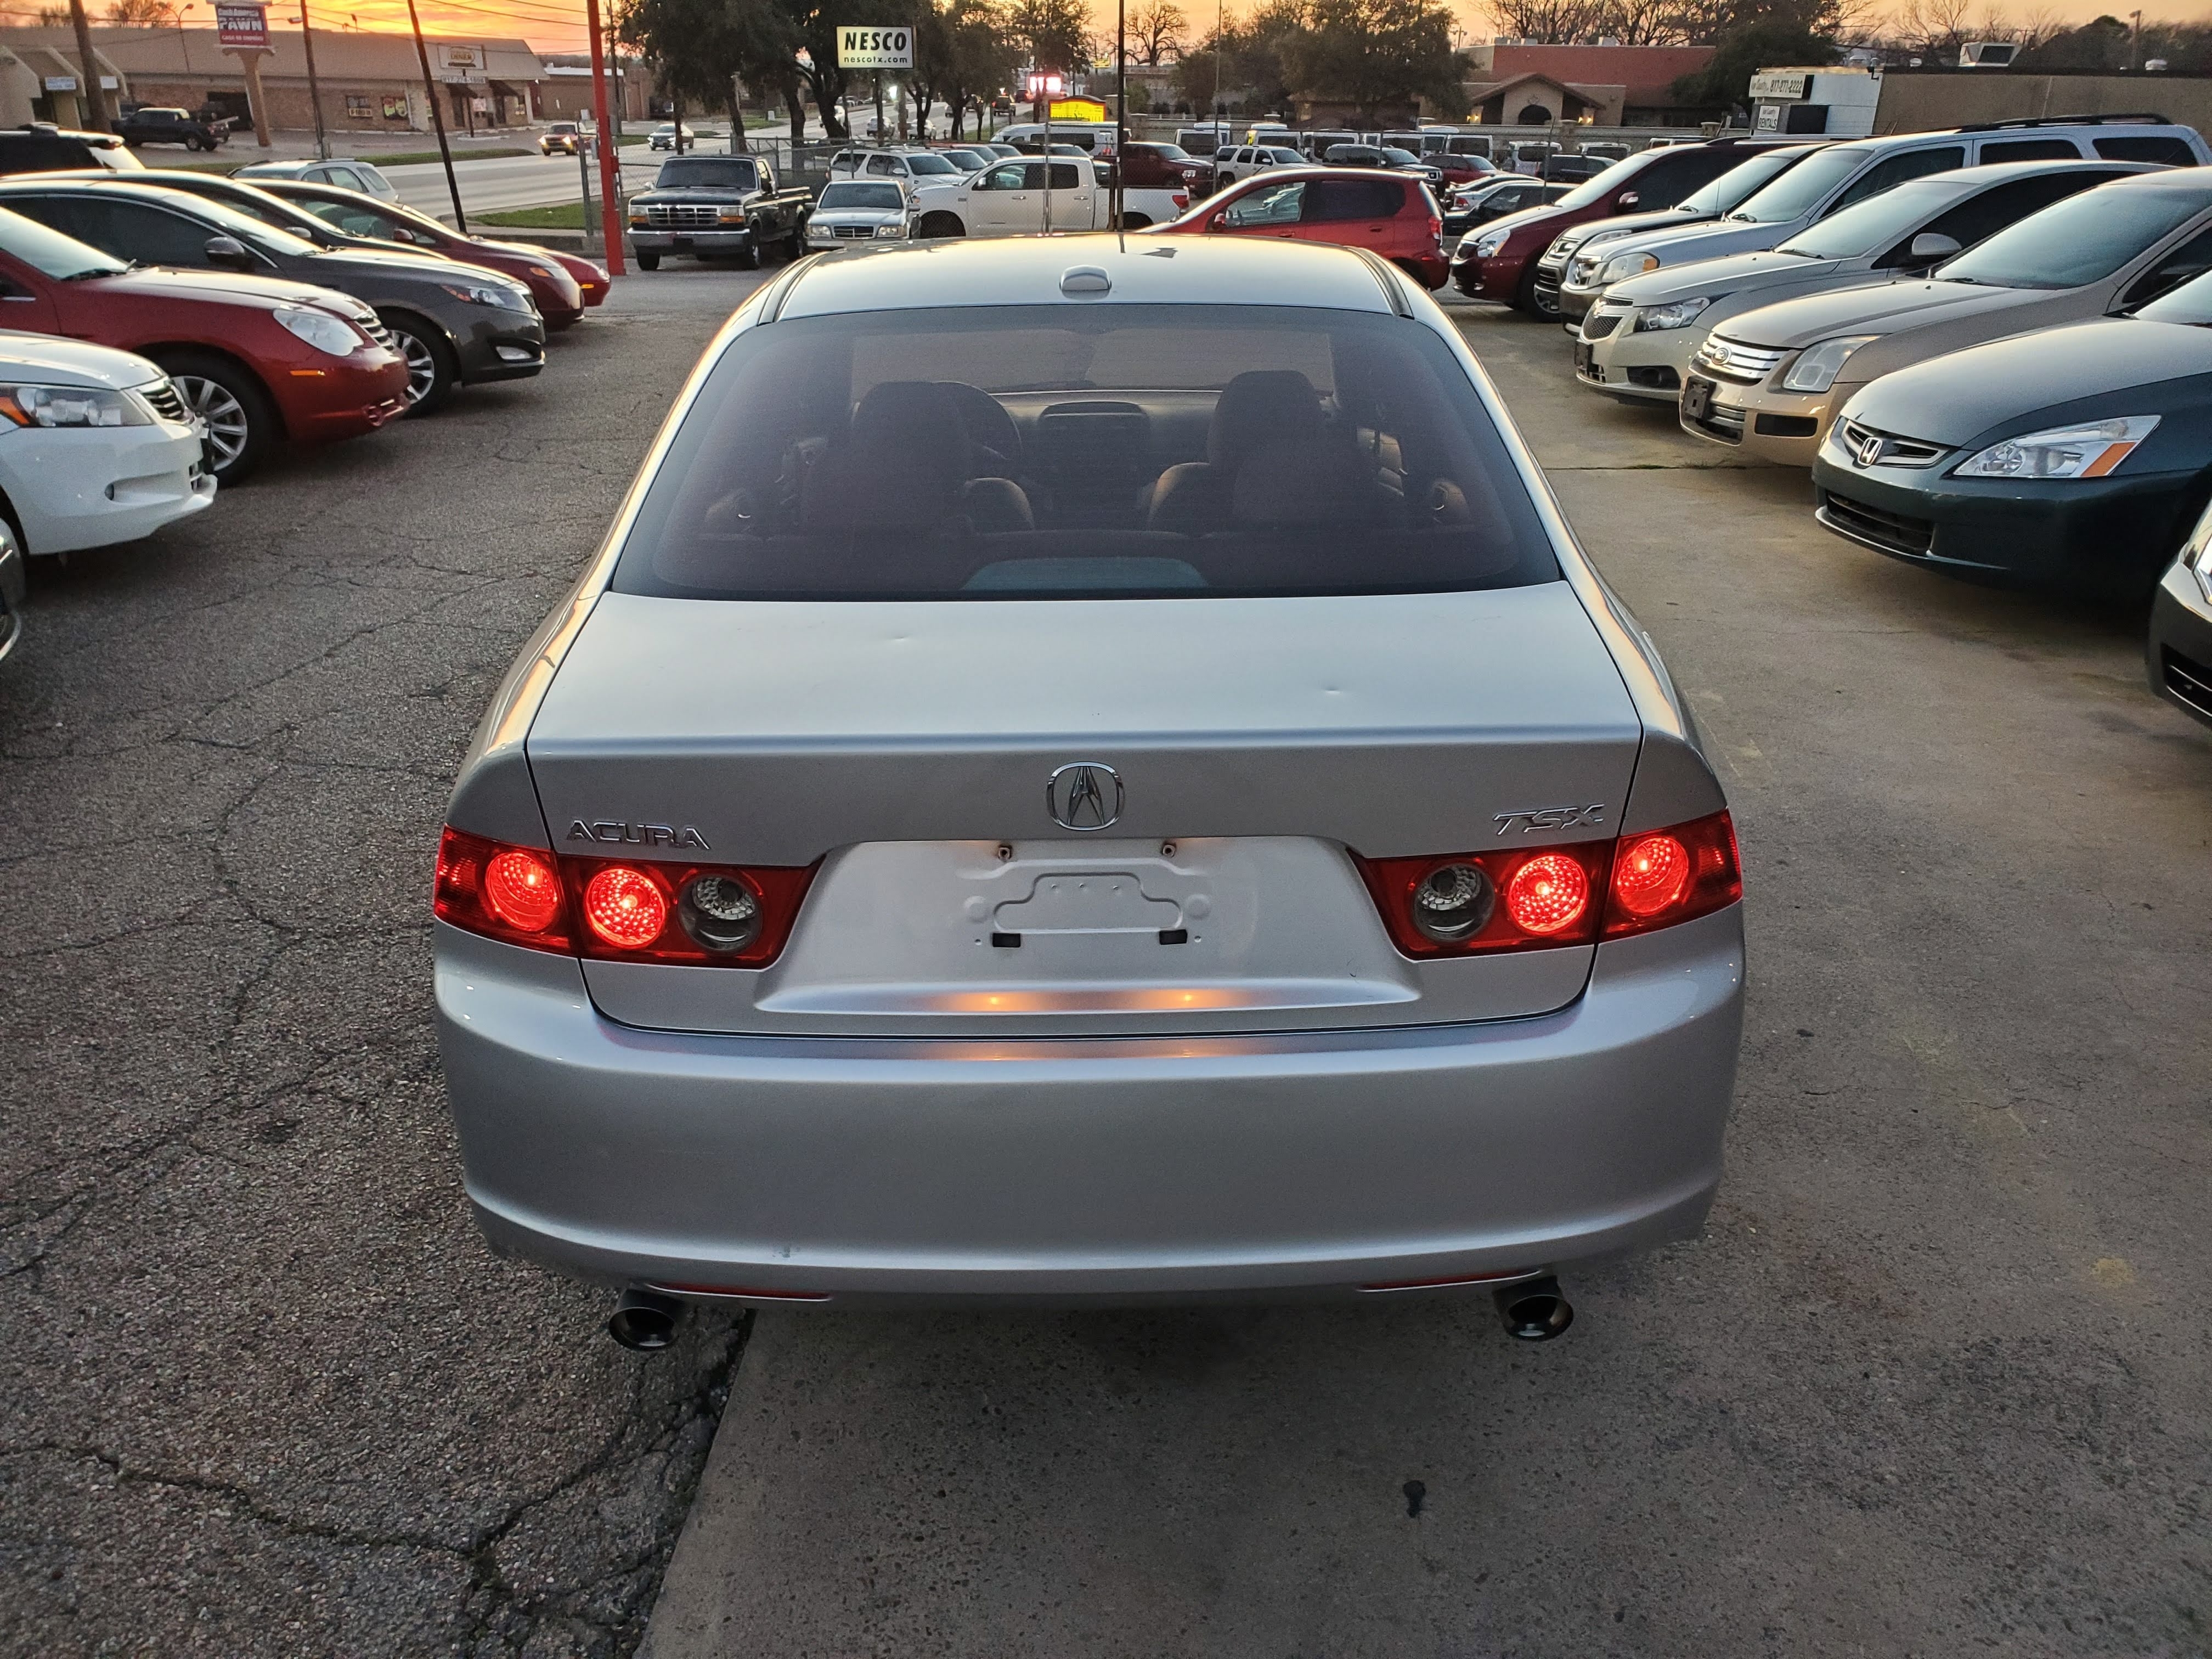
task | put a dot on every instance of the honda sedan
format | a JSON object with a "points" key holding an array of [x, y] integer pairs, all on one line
{"points": [[1088, 769]]}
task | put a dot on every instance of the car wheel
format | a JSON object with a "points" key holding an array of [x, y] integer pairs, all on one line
{"points": [[941, 224], [648, 259], [240, 421], [1525, 300], [749, 255], [432, 373]]}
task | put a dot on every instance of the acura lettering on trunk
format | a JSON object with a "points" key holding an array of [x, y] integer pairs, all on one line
{"points": [[1296, 986]]}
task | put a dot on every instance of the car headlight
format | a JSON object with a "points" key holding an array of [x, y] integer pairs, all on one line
{"points": [[2087, 451], [69, 406], [1816, 368], [483, 293], [321, 330], [1680, 314], [1487, 244], [1620, 269], [820, 234], [890, 230], [2200, 555], [731, 215]]}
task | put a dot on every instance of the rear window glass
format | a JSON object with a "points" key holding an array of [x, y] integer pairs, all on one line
{"points": [[2174, 152], [1157, 452]]}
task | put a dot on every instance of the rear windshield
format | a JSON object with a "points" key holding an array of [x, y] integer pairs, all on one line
{"points": [[707, 173], [1795, 191], [2083, 239], [1117, 451]]}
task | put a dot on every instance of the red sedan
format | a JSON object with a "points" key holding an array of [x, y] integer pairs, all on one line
{"points": [[562, 284], [258, 359], [1391, 213]]}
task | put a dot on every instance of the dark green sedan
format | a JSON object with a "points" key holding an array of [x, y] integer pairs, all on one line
{"points": [[2076, 457]]}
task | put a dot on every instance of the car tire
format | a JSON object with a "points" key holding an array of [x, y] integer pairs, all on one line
{"points": [[1525, 300], [241, 422], [749, 255], [648, 259], [940, 224], [432, 372]]}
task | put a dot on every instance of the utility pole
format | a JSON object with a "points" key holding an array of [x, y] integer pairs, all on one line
{"points": [[437, 118], [1121, 106], [315, 87], [92, 106], [611, 230]]}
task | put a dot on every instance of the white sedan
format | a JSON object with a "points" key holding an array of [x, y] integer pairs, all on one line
{"points": [[95, 446]]}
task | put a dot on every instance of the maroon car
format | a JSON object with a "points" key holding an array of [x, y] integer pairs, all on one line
{"points": [[1503, 266], [1153, 165]]}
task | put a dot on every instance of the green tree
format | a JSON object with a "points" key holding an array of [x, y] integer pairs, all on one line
{"points": [[1373, 54], [1761, 35], [962, 51], [1054, 34], [700, 49]]}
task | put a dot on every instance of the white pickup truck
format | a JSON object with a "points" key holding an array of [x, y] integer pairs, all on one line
{"points": [[1009, 198]]}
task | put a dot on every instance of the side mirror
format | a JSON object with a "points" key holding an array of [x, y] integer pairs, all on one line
{"points": [[1929, 247], [1628, 198], [1219, 222], [229, 254]]}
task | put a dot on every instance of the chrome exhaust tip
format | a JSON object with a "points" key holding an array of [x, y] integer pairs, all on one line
{"points": [[1533, 1310]]}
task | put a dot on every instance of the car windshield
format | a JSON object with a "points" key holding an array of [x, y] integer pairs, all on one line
{"points": [[707, 173], [966, 161], [1738, 184], [250, 230], [1872, 225], [1117, 451], [1168, 152], [1796, 192], [2190, 303], [1596, 188], [930, 164], [847, 193], [2083, 239], [1398, 157], [49, 251]]}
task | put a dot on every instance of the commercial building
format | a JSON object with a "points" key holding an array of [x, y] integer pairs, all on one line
{"points": [[1526, 84], [368, 83]]}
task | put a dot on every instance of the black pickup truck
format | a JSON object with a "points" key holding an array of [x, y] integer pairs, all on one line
{"points": [[151, 124], [708, 204]]}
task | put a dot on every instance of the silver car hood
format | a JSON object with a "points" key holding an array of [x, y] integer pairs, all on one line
{"points": [[1876, 307], [1718, 278], [1711, 238], [1391, 723], [1955, 398]]}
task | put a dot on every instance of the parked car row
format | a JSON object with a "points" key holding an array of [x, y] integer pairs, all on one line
{"points": [[168, 332], [1991, 347]]}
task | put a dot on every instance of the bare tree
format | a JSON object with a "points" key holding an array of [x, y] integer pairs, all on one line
{"points": [[1933, 26], [141, 14], [1157, 31]]}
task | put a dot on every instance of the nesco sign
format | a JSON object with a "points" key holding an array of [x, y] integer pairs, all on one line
{"points": [[875, 49]]}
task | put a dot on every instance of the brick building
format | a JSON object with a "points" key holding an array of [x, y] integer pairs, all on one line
{"points": [[1518, 84]]}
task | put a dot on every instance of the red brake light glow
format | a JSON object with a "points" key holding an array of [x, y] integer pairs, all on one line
{"points": [[1548, 894], [1551, 896], [698, 916], [624, 909]]}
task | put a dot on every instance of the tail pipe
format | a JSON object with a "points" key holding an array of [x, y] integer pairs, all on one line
{"points": [[1533, 1310], [644, 1321]]}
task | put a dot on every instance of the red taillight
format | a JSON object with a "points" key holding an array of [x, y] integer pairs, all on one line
{"points": [[1548, 894], [1676, 874], [632, 910], [1181, 198], [501, 892], [624, 907], [1473, 903], [1435, 227]]}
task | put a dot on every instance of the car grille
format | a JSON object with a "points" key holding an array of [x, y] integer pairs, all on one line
{"points": [[678, 215], [2188, 681], [1895, 450], [1892, 532], [1731, 360], [163, 399], [853, 233], [1600, 322], [1545, 285], [374, 328]]}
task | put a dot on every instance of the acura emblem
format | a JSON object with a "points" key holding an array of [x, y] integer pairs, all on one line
{"points": [[1084, 795], [1869, 449]]}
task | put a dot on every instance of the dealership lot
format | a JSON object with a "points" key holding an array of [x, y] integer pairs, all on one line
{"points": [[1934, 1378]]}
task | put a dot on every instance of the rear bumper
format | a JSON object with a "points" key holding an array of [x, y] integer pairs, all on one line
{"points": [[2180, 656], [1072, 1169]]}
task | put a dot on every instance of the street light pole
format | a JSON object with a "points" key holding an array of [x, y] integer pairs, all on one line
{"points": [[437, 118], [314, 89]]}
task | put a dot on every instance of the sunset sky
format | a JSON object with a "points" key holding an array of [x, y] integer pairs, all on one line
{"points": [[557, 25]]}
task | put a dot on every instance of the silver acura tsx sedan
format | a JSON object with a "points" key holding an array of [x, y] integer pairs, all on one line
{"points": [[1088, 770]]}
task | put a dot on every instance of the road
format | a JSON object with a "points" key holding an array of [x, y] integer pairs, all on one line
{"points": [[1935, 1380]]}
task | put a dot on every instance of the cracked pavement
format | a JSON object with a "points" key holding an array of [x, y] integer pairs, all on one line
{"points": [[263, 1390]]}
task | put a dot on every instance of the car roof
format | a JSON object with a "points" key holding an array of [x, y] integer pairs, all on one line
{"points": [[1144, 270]]}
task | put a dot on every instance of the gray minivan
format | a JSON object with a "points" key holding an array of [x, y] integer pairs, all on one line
{"points": [[1846, 174]]}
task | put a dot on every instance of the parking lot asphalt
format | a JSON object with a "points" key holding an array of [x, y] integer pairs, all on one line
{"points": [[263, 1391], [1935, 1380]]}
